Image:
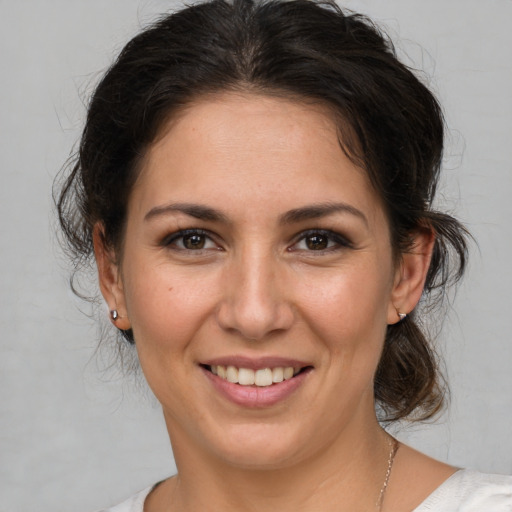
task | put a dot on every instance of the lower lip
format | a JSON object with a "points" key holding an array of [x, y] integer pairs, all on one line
{"points": [[257, 396]]}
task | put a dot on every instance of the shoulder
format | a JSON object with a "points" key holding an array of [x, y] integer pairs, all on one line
{"points": [[471, 491], [133, 504]]}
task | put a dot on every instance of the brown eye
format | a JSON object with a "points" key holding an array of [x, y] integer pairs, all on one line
{"points": [[320, 241], [194, 241], [317, 242], [190, 241]]}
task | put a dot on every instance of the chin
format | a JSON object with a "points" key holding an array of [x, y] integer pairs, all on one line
{"points": [[257, 447]]}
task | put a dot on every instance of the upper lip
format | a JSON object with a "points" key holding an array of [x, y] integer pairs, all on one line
{"points": [[255, 363]]}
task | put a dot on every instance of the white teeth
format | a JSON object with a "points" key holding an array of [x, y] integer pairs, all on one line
{"points": [[278, 375], [232, 374], [288, 373], [247, 377], [263, 377]]}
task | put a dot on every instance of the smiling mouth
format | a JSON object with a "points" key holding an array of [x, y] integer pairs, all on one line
{"points": [[263, 377]]}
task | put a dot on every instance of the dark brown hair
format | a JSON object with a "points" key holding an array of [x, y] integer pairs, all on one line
{"points": [[390, 124]]}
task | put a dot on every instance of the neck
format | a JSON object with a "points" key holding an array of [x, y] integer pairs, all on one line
{"points": [[347, 475]]}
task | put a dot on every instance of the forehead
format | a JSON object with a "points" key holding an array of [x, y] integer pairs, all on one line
{"points": [[266, 150]]}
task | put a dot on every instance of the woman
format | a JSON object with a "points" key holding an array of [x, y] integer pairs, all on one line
{"points": [[255, 182]]}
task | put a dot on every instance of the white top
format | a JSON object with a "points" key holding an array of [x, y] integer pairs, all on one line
{"points": [[464, 491]]}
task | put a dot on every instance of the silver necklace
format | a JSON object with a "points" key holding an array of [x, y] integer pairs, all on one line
{"points": [[394, 444]]}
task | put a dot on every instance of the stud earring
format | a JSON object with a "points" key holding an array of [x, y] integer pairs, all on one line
{"points": [[114, 314], [402, 316]]}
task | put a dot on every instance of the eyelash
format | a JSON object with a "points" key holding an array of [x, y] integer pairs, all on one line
{"points": [[334, 241], [180, 235]]}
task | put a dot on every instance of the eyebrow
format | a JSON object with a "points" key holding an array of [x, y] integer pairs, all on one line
{"points": [[317, 211], [206, 213], [193, 210]]}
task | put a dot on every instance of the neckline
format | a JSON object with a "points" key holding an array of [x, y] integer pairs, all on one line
{"points": [[439, 490], [429, 500]]}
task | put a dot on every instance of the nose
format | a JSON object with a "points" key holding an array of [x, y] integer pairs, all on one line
{"points": [[254, 303]]}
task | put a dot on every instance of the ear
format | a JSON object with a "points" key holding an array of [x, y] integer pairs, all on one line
{"points": [[411, 274], [109, 276]]}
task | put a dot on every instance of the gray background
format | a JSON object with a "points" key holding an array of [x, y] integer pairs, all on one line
{"points": [[74, 437]]}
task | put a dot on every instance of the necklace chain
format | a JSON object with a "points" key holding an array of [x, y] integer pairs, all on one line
{"points": [[394, 444]]}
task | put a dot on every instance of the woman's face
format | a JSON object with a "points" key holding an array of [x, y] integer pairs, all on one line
{"points": [[254, 243]]}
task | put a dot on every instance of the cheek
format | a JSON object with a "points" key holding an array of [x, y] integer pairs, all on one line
{"points": [[166, 308], [351, 297], [347, 310]]}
